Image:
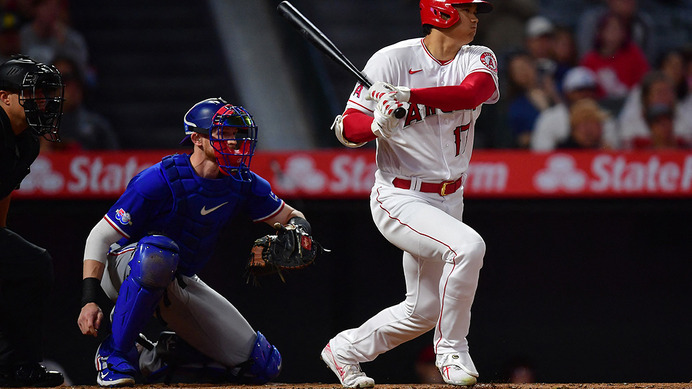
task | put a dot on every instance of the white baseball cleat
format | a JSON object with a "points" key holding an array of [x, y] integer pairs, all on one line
{"points": [[454, 372], [350, 376]]}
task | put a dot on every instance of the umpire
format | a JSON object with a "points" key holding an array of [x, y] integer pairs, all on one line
{"points": [[31, 96]]}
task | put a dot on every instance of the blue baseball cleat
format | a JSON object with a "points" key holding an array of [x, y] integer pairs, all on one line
{"points": [[114, 368]]}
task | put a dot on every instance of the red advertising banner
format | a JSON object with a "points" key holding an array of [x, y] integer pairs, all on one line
{"points": [[580, 174], [348, 173]]}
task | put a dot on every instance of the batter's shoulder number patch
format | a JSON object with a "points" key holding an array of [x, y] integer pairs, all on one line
{"points": [[488, 59]]}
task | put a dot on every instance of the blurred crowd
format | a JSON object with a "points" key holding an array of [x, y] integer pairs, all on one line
{"points": [[602, 81], [42, 30]]}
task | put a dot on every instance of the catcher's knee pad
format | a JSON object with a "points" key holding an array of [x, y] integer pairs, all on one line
{"points": [[155, 261], [152, 268], [265, 361]]}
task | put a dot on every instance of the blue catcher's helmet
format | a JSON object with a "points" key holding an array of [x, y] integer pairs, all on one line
{"points": [[232, 133]]}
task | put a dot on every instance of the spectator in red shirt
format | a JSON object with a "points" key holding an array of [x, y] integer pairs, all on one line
{"points": [[618, 62]]}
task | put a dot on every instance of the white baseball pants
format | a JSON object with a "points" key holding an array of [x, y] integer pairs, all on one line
{"points": [[442, 261]]}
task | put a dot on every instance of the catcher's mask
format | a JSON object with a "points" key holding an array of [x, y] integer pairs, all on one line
{"points": [[232, 133], [41, 93]]}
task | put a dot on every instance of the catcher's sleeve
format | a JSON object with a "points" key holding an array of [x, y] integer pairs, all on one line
{"points": [[99, 241]]}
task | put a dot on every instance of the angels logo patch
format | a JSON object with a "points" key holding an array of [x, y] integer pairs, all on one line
{"points": [[488, 59]]}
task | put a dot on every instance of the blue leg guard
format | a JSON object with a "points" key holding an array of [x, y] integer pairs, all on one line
{"points": [[152, 268], [265, 362]]}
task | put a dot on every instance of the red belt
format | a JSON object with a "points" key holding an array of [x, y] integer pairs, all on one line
{"points": [[443, 188]]}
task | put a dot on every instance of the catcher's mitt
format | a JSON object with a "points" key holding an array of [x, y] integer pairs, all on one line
{"points": [[291, 248]]}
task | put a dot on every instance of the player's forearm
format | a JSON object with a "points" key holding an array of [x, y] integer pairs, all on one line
{"points": [[94, 263], [286, 214], [91, 282], [295, 214], [92, 269], [297, 218], [99, 241], [357, 126], [477, 88], [95, 252]]}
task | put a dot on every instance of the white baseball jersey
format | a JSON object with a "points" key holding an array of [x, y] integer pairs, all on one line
{"points": [[432, 145], [442, 256]]}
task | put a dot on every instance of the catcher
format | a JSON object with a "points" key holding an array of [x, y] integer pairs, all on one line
{"points": [[186, 199]]}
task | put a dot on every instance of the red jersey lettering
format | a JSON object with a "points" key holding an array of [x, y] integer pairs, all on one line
{"points": [[359, 90]]}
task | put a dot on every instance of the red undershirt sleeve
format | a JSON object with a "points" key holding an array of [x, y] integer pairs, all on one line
{"points": [[476, 89], [357, 126]]}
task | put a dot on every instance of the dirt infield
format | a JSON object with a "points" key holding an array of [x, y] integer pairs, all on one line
{"points": [[687, 385], [494, 386]]}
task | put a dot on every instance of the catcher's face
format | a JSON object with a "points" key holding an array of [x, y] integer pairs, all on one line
{"points": [[224, 138], [233, 148], [231, 139]]}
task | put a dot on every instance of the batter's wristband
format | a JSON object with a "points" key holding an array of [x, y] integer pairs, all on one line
{"points": [[91, 290], [299, 221]]}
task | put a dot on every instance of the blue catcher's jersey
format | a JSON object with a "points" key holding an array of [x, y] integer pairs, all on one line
{"points": [[170, 198]]}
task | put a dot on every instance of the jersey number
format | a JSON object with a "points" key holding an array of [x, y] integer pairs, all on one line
{"points": [[461, 135]]}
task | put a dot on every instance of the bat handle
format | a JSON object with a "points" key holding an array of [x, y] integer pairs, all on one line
{"points": [[399, 113]]}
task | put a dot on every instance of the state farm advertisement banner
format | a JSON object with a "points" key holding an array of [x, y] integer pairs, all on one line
{"points": [[349, 174]]}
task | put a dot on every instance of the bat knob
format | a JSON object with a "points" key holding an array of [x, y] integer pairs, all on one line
{"points": [[399, 113]]}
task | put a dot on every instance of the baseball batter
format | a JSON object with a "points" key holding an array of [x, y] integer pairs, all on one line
{"points": [[145, 252], [417, 199]]}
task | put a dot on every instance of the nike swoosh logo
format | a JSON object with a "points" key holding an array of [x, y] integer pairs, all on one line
{"points": [[411, 71], [206, 211]]}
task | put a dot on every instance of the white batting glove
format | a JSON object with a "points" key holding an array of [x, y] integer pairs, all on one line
{"points": [[379, 90], [402, 94], [384, 122], [382, 90]]}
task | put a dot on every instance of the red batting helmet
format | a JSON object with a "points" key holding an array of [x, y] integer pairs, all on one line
{"points": [[432, 11]]}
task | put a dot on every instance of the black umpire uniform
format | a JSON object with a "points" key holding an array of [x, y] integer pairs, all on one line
{"points": [[26, 270]]}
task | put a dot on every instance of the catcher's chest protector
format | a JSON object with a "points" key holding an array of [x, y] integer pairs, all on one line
{"points": [[201, 208]]}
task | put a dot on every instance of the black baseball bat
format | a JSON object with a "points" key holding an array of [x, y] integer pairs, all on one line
{"points": [[319, 40]]}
